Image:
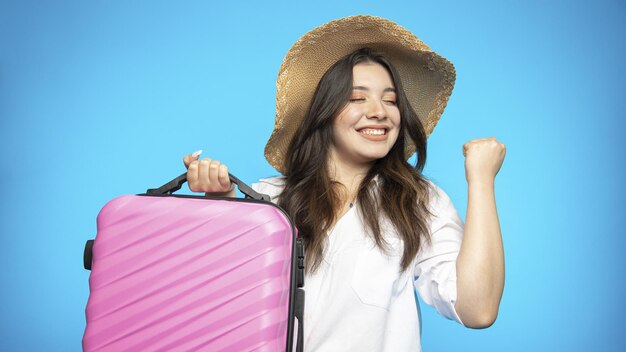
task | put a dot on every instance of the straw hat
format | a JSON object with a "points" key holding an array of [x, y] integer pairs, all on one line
{"points": [[427, 77]]}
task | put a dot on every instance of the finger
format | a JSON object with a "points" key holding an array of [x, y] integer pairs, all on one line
{"points": [[493, 140], [192, 175], [223, 176], [203, 173], [477, 140], [214, 167], [187, 159]]}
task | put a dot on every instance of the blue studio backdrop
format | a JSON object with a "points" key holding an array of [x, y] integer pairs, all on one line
{"points": [[104, 98]]}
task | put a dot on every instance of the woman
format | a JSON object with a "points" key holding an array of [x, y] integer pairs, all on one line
{"points": [[355, 98]]}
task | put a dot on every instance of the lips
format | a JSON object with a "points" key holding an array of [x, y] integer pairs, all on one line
{"points": [[373, 131]]}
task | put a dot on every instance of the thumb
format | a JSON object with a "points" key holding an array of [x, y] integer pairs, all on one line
{"points": [[189, 158]]}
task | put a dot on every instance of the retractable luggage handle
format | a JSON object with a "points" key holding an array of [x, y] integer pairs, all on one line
{"points": [[175, 184]]}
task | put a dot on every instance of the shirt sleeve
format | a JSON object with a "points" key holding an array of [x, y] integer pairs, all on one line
{"points": [[272, 186], [435, 268]]}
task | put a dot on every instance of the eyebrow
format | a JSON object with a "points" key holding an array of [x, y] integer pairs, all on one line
{"points": [[390, 89]]}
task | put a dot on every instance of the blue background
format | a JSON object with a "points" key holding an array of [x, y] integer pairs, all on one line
{"points": [[103, 98]]}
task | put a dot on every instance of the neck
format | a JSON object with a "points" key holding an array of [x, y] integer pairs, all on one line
{"points": [[349, 175]]}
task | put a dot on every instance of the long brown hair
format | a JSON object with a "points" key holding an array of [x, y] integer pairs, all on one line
{"points": [[313, 199]]}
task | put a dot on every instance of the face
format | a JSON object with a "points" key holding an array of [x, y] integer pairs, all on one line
{"points": [[368, 126]]}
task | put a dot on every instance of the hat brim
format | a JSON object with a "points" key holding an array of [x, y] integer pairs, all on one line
{"points": [[427, 77]]}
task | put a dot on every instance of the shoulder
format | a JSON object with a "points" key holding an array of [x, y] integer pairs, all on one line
{"points": [[440, 205], [271, 186], [437, 197], [276, 181]]}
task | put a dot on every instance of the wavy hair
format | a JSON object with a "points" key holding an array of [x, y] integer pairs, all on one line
{"points": [[392, 187]]}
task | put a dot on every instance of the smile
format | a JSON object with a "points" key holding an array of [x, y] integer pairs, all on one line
{"points": [[373, 131]]}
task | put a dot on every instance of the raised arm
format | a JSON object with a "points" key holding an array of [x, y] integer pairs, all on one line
{"points": [[480, 264]]}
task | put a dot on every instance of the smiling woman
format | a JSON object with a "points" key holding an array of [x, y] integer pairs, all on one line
{"points": [[346, 123], [366, 129], [349, 160]]}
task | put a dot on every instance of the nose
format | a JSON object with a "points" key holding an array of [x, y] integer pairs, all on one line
{"points": [[375, 110]]}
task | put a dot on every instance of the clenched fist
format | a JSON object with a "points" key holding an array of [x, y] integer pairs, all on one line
{"points": [[207, 175], [483, 159]]}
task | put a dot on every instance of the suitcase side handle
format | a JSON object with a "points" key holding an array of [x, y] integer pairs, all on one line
{"points": [[88, 254], [175, 184]]}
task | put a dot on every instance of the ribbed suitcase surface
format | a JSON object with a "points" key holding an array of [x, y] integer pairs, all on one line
{"points": [[189, 274]]}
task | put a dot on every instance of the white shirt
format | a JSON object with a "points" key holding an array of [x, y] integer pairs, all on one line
{"points": [[358, 300]]}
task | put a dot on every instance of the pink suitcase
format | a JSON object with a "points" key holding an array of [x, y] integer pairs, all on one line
{"points": [[193, 273]]}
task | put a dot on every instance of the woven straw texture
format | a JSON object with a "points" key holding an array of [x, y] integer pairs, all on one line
{"points": [[427, 77]]}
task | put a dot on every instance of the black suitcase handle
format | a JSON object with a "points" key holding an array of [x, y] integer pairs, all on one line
{"points": [[88, 254], [175, 184]]}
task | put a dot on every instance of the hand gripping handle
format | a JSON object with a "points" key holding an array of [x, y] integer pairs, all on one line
{"points": [[175, 184]]}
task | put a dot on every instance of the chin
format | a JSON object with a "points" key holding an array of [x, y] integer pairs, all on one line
{"points": [[374, 157]]}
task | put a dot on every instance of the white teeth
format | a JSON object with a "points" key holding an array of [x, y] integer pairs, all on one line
{"points": [[373, 132]]}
